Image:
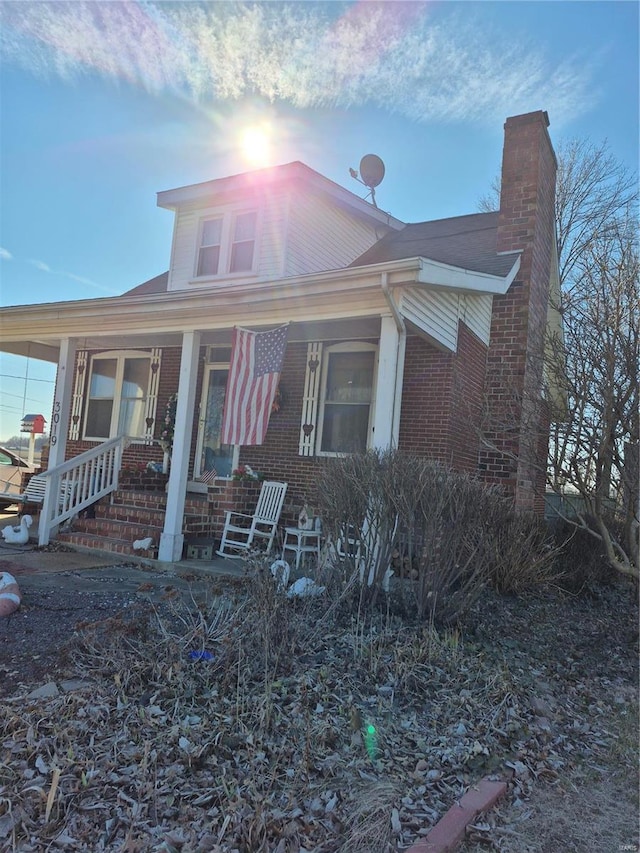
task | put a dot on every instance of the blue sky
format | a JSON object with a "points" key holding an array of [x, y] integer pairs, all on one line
{"points": [[105, 103]]}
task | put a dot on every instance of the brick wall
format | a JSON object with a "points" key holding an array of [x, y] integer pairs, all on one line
{"points": [[469, 368], [518, 423], [425, 417], [442, 400]]}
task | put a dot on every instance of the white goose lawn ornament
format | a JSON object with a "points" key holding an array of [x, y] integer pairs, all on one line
{"points": [[305, 588], [143, 544], [18, 535], [281, 571], [302, 588]]}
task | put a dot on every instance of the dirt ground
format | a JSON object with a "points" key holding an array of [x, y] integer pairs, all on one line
{"points": [[576, 656]]}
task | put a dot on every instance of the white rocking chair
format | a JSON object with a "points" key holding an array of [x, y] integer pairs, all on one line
{"points": [[242, 532]]}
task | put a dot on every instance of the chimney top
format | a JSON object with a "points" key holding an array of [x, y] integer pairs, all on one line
{"points": [[529, 118]]}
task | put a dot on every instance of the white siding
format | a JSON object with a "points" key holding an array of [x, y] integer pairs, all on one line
{"points": [[183, 256], [437, 312], [322, 236], [272, 244], [475, 311]]}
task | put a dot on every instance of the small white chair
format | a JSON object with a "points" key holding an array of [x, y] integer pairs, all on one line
{"points": [[301, 542], [242, 531]]}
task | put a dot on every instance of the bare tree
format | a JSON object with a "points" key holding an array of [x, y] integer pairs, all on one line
{"points": [[592, 448], [593, 190], [594, 445]]}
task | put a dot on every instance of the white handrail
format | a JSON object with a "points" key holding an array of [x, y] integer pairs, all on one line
{"points": [[79, 482]]}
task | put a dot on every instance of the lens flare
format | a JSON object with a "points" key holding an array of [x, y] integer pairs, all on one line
{"points": [[371, 742]]}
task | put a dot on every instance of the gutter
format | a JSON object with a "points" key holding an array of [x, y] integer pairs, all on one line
{"points": [[397, 316], [400, 350]]}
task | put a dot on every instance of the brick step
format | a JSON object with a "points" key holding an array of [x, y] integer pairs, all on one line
{"points": [[129, 530], [145, 500], [157, 500], [128, 515], [110, 544], [124, 513]]}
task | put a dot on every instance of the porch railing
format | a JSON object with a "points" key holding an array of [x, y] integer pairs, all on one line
{"points": [[77, 483]]}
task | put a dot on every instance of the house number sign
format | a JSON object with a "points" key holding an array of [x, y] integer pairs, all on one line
{"points": [[55, 420]]}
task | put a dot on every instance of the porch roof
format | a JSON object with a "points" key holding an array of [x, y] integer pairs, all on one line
{"points": [[149, 315]]}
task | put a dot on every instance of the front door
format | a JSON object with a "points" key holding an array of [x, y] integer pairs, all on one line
{"points": [[211, 454]]}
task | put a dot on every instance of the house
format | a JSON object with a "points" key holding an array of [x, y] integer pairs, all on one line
{"points": [[426, 336]]}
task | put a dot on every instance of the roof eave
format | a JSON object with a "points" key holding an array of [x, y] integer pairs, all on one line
{"points": [[194, 193], [440, 275], [415, 270]]}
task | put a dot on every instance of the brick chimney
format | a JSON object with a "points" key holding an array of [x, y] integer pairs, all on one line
{"points": [[517, 427]]}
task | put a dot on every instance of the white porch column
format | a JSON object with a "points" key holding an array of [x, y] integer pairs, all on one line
{"points": [[61, 414], [388, 393], [172, 539]]}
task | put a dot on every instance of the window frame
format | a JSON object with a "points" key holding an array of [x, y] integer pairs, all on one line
{"points": [[344, 347], [229, 219], [120, 356]]}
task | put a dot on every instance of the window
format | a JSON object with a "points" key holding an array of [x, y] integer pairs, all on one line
{"points": [[227, 244], [347, 396], [244, 236], [117, 397], [209, 254]]}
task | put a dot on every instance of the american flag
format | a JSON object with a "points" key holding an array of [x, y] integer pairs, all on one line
{"points": [[256, 362], [209, 477]]}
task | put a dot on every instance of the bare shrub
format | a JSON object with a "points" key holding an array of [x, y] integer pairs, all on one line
{"points": [[451, 525], [521, 552], [581, 562], [359, 516], [434, 524]]}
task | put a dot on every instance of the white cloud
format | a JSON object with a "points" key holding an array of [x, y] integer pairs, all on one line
{"points": [[40, 265], [5, 254], [391, 55], [82, 280]]}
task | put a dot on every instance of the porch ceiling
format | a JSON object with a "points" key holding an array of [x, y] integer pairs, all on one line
{"points": [[346, 329]]}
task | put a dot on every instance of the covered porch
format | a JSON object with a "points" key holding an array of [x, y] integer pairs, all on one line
{"points": [[187, 337]]}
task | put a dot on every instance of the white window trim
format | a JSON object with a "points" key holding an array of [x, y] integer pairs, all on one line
{"points": [[228, 217], [346, 346], [121, 356]]}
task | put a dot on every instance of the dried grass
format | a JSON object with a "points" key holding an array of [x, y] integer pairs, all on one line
{"points": [[353, 741]]}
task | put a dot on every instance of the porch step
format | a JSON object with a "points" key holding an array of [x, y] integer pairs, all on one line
{"points": [[129, 530], [128, 516], [108, 544]]}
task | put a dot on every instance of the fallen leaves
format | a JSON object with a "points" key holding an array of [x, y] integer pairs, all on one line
{"points": [[358, 742]]}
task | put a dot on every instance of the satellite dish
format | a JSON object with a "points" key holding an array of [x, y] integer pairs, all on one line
{"points": [[371, 170]]}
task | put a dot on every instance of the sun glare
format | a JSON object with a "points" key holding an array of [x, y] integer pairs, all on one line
{"points": [[255, 143]]}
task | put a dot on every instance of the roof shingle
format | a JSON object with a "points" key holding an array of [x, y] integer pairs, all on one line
{"points": [[468, 242]]}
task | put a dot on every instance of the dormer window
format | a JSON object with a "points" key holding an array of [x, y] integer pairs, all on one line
{"points": [[209, 254], [244, 238], [227, 244]]}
